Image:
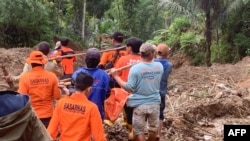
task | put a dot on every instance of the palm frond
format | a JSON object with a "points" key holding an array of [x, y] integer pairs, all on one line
{"points": [[234, 4], [229, 7], [177, 7]]}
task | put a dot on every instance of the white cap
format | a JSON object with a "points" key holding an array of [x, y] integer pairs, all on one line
{"points": [[58, 44]]}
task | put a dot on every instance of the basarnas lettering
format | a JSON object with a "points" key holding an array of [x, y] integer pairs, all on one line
{"points": [[39, 81], [74, 108]]}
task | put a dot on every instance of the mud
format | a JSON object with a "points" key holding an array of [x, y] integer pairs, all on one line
{"points": [[200, 99]]}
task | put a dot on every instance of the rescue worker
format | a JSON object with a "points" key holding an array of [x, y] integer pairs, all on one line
{"points": [[109, 58], [41, 85], [67, 62], [77, 118]]}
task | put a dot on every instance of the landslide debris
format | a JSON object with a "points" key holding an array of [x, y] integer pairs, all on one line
{"points": [[200, 100]]}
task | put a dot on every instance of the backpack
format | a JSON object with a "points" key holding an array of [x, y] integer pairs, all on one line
{"points": [[118, 54], [67, 52]]}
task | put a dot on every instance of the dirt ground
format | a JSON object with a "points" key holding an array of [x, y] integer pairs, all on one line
{"points": [[200, 99]]}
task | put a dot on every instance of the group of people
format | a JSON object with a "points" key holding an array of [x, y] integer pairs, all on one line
{"points": [[79, 115]]}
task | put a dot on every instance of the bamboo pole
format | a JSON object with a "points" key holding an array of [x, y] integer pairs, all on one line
{"points": [[121, 68], [67, 81], [79, 54]]}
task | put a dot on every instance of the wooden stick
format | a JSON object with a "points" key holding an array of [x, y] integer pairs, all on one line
{"points": [[65, 80], [122, 68], [66, 83], [112, 49], [84, 53]]}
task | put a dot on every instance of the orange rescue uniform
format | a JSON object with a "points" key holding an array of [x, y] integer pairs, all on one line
{"points": [[68, 62], [108, 56], [78, 120], [41, 86], [124, 61]]}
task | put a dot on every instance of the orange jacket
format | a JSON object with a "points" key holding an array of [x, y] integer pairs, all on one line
{"points": [[68, 62], [78, 120], [108, 56], [126, 60], [41, 86]]}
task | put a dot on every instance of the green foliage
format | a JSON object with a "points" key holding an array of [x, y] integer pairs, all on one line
{"points": [[180, 24], [174, 40], [242, 42], [148, 19], [189, 39], [235, 37], [181, 36], [159, 36], [223, 52], [115, 15], [98, 7], [172, 35], [198, 58], [25, 22], [191, 44], [177, 27]]}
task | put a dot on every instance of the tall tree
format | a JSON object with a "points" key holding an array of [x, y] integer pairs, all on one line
{"points": [[213, 11], [144, 15], [98, 7], [83, 19]]}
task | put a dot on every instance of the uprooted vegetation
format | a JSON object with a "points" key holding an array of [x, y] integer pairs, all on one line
{"points": [[201, 100]]}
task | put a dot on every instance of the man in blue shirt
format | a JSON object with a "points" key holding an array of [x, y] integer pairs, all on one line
{"points": [[162, 51], [143, 84], [101, 78]]}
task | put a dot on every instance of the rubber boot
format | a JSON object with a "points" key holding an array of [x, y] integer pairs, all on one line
{"points": [[108, 122], [130, 132]]}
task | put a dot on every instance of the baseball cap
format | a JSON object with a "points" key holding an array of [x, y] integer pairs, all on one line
{"points": [[118, 36], [147, 48], [58, 44], [162, 50], [36, 57], [93, 53]]}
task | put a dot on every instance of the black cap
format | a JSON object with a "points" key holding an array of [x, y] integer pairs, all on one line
{"points": [[93, 53], [118, 36]]}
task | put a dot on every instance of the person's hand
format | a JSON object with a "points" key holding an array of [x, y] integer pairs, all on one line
{"points": [[61, 84], [63, 88], [113, 72], [66, 90], [58, 59]]}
